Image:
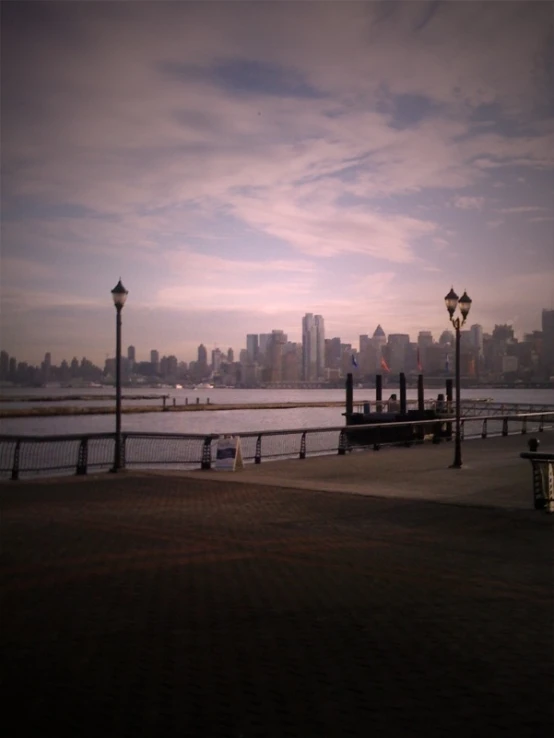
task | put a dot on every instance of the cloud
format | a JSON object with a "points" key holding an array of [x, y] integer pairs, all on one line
{"points": [[238, 157], [521, 209], [469, 203]]}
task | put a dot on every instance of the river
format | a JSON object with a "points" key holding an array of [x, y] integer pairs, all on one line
{"points": [[220, 421]]}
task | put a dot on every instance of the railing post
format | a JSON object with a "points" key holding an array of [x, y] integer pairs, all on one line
{"points": [[82, 457], [123, 450], [343, 442], [505, 427], [484, 430], [462, 429], [15, 467], [258, 452], [541, 424], [524, 426], [376, 443], [303, 446], [539, 501], [206, 453]]}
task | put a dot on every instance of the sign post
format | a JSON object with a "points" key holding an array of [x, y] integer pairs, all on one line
{"points": [[228, 454]]}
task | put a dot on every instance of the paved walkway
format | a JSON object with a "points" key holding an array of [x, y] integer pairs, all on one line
{"points": [[493, 473], [163, 605]]}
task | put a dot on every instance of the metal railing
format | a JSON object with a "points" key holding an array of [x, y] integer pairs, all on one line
{"points": [[542, 465], [468, 407], [27, 456]]}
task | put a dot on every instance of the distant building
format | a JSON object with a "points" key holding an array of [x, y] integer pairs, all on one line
{"points": [[548, 342], [4, 365], [320, 346], [477, 338], [332, 353], [252, 346], [217, 358], [274, 356], [398, 344], [155, 360], [309, 348], [379, 341]]}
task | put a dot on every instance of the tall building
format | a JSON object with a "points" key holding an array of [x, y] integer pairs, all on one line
{"points": [[274, 355], [309, 348], [548, 342], [424, 342], [398, 345], [332, 353], [263, 344], [230, 355], [252, 346], [477, 338], [319, 346], [155, 360], [217, 357], [202, 356], [378, 340], [367, 358]]}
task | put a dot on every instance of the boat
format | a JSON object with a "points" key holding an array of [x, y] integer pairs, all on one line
{"points": [[202, 386]]}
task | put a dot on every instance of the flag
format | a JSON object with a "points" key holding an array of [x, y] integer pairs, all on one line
{"points": [[384, 364], [354, 362], [419, 368]]}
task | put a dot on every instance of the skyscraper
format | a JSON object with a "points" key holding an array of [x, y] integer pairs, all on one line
{"points": [[319, 346], [379, 340], [477, 337], [275, 355], [398, 346], [252, 346], [309, 348]]}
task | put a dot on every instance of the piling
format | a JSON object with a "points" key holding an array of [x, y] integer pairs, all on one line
{"points": [[402, 378], [349, 395], [420, 394], [379, 391]]}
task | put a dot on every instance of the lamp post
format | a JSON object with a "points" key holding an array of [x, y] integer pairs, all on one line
{"points": [[464, 303], [119, 294]]}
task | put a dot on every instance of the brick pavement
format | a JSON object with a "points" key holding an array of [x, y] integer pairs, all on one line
{"points": [[144, 605]]}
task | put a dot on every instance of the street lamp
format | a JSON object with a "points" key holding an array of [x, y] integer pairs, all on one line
{"points": [[119, 294], [464, 303]]}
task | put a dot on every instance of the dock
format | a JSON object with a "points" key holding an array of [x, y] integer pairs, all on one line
{"points": [[290, 599]]}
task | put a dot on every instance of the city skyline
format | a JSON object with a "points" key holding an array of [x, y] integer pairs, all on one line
{"points": [[242, 164], [251, 342]]}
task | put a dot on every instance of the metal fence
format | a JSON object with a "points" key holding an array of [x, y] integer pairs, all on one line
{"points": [[28, 456]]}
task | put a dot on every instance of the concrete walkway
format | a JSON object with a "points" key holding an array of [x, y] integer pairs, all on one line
{"points": [[493, 473], [212, 606]]}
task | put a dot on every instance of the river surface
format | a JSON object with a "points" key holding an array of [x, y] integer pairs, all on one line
{"points": [[219, 421]]}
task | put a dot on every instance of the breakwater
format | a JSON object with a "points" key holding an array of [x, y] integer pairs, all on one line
{"points": [[53, 411]]}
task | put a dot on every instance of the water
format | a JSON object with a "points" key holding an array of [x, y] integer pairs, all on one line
{"points": [[222, 421]]}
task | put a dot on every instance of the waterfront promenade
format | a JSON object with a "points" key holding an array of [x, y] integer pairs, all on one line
{"points": [[263, 603]]}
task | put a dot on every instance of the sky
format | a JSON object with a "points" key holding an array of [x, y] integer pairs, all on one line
{"points": [[239, 164]]}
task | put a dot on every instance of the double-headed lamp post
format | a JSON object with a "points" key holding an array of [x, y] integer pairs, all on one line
{"points": [[119, 294], [464, 303]]}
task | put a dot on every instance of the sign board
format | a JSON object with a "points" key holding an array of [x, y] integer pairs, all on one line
{"points": [[228, 455]]}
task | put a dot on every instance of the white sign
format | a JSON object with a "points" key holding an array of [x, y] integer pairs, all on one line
{"points": [[228, 454]]}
